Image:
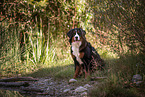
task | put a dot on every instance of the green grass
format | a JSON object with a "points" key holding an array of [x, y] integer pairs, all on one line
{"points": [[35, 54], [119, 73], [7, 93]]}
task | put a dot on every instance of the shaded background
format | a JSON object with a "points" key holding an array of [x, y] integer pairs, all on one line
{"points": [[33, 32]]}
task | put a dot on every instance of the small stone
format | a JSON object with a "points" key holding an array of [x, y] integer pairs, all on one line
{"points": [[66, 90], [84, 94], [48, 89], [87, 86], [72, 80], [139, 83], [80, 89], [45, 80], [51, 83], [136, 78]]}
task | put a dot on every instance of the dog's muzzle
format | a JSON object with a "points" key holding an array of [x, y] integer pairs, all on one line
{"points": [[76, 37]]}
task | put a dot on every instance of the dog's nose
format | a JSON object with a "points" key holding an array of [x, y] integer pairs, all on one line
{"points": [[76, 37]]}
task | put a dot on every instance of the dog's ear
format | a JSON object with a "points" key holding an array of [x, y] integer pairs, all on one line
{"points": [[83, 32], [69, 34]]}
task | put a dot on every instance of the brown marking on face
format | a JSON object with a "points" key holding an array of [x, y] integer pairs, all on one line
{"points": [[81, 54], [73, 38]]}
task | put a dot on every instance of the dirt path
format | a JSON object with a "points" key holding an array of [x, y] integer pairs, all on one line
{"points": [[57, 88]]}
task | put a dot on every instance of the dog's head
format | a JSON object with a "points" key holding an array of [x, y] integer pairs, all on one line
{"points": [[76, 35]]}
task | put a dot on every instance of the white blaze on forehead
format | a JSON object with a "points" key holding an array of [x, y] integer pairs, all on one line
{"points": [[76, 35]]}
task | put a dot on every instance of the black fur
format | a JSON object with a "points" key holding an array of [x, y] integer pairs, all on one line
{"points": [[91, 59], [70, 35]]}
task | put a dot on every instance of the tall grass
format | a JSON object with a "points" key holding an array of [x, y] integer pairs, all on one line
{"points": [[36, 51], [40, 52], [10, 50]]}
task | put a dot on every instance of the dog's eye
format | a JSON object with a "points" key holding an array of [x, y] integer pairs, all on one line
{"points": [[79, 33], [74, 33]]}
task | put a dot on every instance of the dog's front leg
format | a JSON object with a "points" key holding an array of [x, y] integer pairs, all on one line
{"points": [[77, 68], [77, 71]]}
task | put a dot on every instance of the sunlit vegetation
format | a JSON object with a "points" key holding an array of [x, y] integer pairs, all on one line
{"points": [[33, 40]]}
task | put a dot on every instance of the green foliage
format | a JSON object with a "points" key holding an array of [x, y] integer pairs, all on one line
{"points": [[33, 38], [120, 24], [38, 51], [119, 73]]}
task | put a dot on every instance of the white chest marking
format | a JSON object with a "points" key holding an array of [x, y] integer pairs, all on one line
{"points": [[75, 49]]}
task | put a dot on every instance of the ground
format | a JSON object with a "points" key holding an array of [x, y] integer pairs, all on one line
{"points": [[53, 87]]}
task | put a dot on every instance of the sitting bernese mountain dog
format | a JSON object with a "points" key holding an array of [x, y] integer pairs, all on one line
{"points": [[86, 58]]}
